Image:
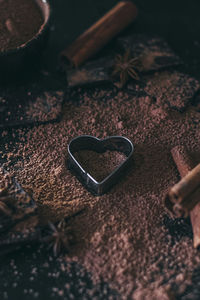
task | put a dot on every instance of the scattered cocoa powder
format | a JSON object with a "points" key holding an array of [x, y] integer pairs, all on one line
{"points": [[45, 107], [178, 87], [31, 106], [125, 236], [99, 165], [172, 90], [20, 20]]}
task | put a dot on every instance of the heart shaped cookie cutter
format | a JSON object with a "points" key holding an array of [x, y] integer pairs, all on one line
{"points": [[88, 142]]}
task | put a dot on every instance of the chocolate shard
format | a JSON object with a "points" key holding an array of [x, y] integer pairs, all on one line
{"points": [[154, 51], [18, 214], [31, 103], [94, 72]]}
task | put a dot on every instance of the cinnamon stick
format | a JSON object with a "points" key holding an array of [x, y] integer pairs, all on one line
{"points": [[99, 34], [185, 164], [182, 197], [186, 186]]}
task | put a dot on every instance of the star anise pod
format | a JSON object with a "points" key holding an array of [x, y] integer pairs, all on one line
{"points": [[4, 201], [3, 190], [4, 209], [60, 237], [126, 67]]}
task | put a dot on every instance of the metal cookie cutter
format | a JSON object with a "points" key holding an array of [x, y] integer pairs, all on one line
{"points": [[87, 142]]}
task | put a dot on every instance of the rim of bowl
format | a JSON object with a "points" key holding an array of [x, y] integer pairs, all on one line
{"points": [[39, 33]]}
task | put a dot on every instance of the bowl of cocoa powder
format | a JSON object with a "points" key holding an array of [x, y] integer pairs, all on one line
{"points": [[23, 35]]}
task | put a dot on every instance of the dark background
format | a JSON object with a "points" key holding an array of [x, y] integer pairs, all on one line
{"points": [[178, 21]]}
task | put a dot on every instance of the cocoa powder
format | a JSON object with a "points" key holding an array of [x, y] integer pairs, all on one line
{"points": [[124, 236], [20, 20], [99, 165]]}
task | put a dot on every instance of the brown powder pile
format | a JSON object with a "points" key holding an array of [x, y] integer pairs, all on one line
{"points": [[170, 89], [45, 107], [20, 20], [99, 165], [124, 236], [32, 105], [153, 50], [174, 90]]}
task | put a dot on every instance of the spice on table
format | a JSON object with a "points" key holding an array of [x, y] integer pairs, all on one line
{"points": [[154, 54], [155, 51], [4, 208], [98, 35], [186, 186], [184, 195], [126, 67], [60, 237], [191, 204]]}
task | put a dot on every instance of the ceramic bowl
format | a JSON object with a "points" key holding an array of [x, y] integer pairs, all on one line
{"points": [[19, 61]]}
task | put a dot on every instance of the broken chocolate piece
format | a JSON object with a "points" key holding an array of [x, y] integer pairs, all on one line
{"points": [[155, 51], [30, 104], [96, 71], [18, 214]]}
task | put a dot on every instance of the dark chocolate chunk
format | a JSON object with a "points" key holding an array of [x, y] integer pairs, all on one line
{"points": [[18, 214], [155, 51], [30, 104], [96, 71]]}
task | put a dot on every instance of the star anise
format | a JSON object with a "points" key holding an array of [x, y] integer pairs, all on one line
{"points": [[4, 209], [4, 199], [60, 237], [126, 67]]}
